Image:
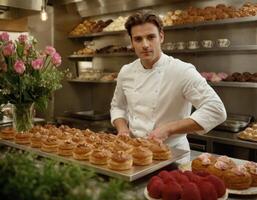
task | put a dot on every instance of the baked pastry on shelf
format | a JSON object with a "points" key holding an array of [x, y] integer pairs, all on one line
{"points": [[99, 156], [160, 151], [218, 169], [65, 148], [136, 142], [237, 178], [35, 140], [252, 170], [227, 160], [202, 162], [119, 145], [22, 138], [142, 156], [50, 144], [120, 161], [7, 133], [82, 151]]}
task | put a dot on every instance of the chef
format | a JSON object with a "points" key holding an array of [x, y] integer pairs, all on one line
{"points": [[155, 93]]}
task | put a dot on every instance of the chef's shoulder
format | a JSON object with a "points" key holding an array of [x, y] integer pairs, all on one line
{"points": [[128, 68], [179, 66]]}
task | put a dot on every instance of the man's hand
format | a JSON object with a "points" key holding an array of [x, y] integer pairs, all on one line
{"points": [[127, 132], [160, 133]]}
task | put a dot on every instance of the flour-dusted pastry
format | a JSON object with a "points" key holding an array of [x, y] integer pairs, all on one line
{"points": [[202, 162], [36, 140], [252, 169], [50, 144], [82, 151], [65, 148], [237, 178], [142, 156], [160, 151], [119, 145], [22, 138], [120, 161], [7, 133], [99, 156]]}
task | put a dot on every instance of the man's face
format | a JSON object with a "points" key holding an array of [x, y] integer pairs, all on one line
{"points": [[146, 40]]}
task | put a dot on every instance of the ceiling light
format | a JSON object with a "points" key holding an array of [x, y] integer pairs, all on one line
{"points": [[43, 13]]}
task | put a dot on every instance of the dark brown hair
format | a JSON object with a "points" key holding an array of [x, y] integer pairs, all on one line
{"points": [[143, 17]]}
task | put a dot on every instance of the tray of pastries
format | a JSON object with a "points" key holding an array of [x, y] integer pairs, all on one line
{"points": [[239, 179], [249, 134], [117, 156]]}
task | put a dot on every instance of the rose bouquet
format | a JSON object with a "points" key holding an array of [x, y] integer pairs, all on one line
{"points": [[27, 76]]}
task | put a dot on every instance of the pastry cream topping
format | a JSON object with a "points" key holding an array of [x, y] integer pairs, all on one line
{"points": [[221, 165], [239, 170], [206, 161]]}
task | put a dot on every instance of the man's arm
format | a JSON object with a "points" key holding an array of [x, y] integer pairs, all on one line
{"points": [[176, 127], [119, 108], [122, 126], [209, 112]]}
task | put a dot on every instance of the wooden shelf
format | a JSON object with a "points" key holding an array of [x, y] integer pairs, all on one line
{"points": [[177, 27], [234, 84], [230, 50]]}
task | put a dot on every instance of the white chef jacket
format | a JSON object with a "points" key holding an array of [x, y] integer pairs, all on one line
{"points": [[148, 98]]}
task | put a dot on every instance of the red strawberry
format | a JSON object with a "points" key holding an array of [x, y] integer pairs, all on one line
{"points": [[218, 184], [171, 190], [192, 177], [190, 192], [203, 173], [207, 190], [155, 189], [154, 178]]}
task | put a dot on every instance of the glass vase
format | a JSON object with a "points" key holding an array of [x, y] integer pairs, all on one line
{"points": [[23, 116]]}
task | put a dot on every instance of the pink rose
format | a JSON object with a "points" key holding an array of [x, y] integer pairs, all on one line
{"points": [[19, 67], [23, 38], [8, 49], [56, 59], [37, 64], [49, 50], [4, 37]]}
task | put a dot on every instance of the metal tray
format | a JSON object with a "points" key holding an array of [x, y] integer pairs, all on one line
{"points": [[129, 175], [89, 115], [235, 123]]}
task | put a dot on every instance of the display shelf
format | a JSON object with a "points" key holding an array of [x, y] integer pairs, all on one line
{"points": [[232, 49], [234, 84], [177, 27], [84, 57]]}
